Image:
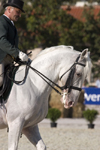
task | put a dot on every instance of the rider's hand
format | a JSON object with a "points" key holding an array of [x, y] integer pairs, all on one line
{"points": [[23, 56]]}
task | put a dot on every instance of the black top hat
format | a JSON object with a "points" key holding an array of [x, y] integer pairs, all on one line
{"points": [[15, 3]]}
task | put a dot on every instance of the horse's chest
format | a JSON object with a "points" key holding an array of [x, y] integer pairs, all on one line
{"points": [[37, 114]]}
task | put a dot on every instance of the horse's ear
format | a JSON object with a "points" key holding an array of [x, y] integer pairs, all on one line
{"points": [[84, 53]]}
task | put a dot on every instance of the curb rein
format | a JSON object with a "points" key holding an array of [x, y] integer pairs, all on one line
{"points": [[46, 79]]}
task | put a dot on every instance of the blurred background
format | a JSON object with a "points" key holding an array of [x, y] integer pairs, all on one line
{"points": [[60, 22]]}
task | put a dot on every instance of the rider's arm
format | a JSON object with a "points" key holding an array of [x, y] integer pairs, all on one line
{"points": [[5, 45]]}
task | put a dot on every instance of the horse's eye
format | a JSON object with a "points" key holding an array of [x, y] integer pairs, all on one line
{"points": [[79, 74]]}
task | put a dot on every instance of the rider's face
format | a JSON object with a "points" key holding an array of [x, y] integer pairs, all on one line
{"points": [[15, 13]]}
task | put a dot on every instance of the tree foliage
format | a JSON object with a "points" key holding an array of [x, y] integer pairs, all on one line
{"points": [[1, 7], [92, 33], [46, 24], [91, 37]]}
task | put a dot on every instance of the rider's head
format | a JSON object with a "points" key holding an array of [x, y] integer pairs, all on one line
{"points": [[13, 9]]}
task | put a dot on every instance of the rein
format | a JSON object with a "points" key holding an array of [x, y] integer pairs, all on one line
{"points": [[76, 63], [46, 79], [37, 72]]}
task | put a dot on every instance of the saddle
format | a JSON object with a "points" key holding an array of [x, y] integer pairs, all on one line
{"points": [[10, 71], [9, 75]]}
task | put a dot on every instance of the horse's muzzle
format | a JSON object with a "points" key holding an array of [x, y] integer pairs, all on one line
{"points": [[66, 100]]}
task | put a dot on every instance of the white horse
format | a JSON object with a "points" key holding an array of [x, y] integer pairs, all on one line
{"points": [[27, 104]]}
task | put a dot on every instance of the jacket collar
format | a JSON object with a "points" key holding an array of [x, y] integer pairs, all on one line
{"points": [[8, 20]]}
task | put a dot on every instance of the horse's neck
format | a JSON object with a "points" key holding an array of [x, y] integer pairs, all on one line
{"points": [[51, 64], [48, 66]]}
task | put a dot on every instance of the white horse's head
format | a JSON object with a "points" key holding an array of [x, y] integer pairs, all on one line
{"points": [[73, 78], [68, 65]]}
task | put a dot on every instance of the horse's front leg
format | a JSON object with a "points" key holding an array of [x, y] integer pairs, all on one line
{"points": [[32, 133], [15, 130]]}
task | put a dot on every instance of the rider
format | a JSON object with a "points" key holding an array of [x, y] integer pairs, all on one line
{"points": [[8, 35]]}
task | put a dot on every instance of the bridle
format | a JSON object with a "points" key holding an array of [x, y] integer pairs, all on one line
{"points": [[68, 85]]}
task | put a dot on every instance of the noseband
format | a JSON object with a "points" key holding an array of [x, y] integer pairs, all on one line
{"points": [[69, 83]]}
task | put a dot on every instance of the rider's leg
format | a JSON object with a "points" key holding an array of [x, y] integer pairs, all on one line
{"points": [[7, 60], [1, 73], [32, 133]]}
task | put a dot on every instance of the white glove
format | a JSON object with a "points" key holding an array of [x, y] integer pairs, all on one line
{"points": [[23, 56]]}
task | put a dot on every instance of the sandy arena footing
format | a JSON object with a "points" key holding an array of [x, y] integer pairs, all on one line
{"points": [[71, 134]]}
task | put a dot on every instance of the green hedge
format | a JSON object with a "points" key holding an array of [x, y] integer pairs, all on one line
{"points": [[53, 114]]}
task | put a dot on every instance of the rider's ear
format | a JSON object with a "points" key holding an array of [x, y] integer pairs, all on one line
{"points": [[84, 53]]}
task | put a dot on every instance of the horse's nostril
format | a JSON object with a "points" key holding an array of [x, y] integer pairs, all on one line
{"points": [[71, 103]]}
